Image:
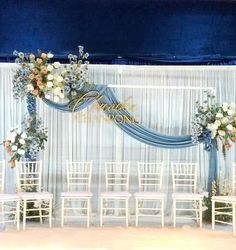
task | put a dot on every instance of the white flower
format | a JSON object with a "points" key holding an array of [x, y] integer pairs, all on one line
{"points": [[49, 67], [47, 96], [50, 55], [49, 84], [59, 79], [56, 65], [225, 106], [224, 120], [230, 112], [217, 122], [24, 135], [221, 132], [12, 139], [229, 127], [20, 151], [219, 115], [22, 141], [30, 87], [61, 95], [204, 208], [205, 194], [213, 133], [50, 77], [37, 203], [232, 105], [14, 148], [209, 126], [13, 134], [56, 98], [18, 130], [57, 90], [214, 126]]}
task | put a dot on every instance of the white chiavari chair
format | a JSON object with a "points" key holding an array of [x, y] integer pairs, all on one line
{"points": [[184, 177], [29, 187], [77, 199], [117, 186], [150, 199], [9, 203], [230, 206]]}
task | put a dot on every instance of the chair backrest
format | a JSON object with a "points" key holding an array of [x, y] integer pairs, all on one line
{"points": [[150, 175], [28, 176], [234, 179], [184, 177], [117, 176], [2, 176], [78, 175]]}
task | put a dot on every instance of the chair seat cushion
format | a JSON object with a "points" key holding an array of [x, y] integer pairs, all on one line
{"points": [[224, 198], [187, 196], [35, 195], [76, 194], [10, 197], [115, 194], [154, 195]]}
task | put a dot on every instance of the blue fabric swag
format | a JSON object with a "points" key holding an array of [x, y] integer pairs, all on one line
{"points": [[106, 97]]}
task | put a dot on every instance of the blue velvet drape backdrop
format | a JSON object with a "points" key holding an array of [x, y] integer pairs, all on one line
{"points": [[122, 31]]}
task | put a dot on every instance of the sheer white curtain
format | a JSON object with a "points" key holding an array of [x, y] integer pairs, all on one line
{"points": [[11, 114], [168, 109]]}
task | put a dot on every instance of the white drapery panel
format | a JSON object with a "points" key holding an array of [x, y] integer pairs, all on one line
{"points": [[168, 107], [11, 115]]}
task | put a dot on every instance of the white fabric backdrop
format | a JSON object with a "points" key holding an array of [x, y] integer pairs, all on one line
{"points": [[88, 136]]}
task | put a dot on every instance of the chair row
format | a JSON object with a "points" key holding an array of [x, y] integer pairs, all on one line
{"points": [[78, 194]]}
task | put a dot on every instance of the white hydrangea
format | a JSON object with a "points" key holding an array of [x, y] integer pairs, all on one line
{"points": [[50, 67]]}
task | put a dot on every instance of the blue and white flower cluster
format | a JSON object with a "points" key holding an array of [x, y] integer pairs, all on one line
{"points": [[51, 80], [20, 81], [75, 74], [26, 141], [37, 135], [218, 119]]}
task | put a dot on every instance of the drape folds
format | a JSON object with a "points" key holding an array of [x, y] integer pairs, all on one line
{"points": [[107, 99]]}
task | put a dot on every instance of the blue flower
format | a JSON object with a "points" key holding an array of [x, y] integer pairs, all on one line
{"points": [[67, 89], [79, 85]]}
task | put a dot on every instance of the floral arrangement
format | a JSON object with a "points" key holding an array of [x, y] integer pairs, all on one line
{"points": [[207, 206], [50, 80], [25, 143], [219, 119]]}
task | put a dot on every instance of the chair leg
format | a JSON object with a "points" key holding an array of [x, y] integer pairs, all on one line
{"points": [[174, 212], [162, 213], [101, 212], [40, 212], [88, 211], [24, 213], [50, 213], [213, 215], [136, 211], [2, 211], [234, 220], [62, 211], [127, 212], [200, 213], [91, 212], [18, 215]]}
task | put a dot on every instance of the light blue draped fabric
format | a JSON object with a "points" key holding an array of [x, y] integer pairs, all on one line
{"points": [[106, 97]]}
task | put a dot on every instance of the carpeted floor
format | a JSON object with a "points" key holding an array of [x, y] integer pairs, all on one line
{"points": [[118, 238]]}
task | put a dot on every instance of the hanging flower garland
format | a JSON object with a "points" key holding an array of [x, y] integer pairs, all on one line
{"points": [[43, 79], [27, 142], [219, 119]]}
